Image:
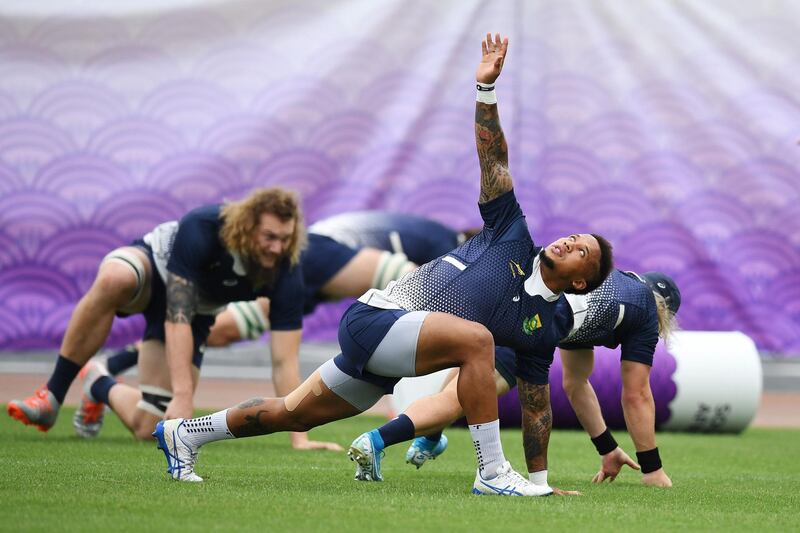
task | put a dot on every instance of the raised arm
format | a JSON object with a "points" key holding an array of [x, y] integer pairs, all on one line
{"points": [[489, 138], [181, 308]]}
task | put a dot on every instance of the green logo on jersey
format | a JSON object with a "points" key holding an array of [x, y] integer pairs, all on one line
{"points": [[529, 325]]}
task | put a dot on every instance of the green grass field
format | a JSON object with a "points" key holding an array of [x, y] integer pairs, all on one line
{"points": [[58, 482]]}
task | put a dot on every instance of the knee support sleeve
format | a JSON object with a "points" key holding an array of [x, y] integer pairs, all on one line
{"points": [[154, 400], [250, 319], [132, 261]]}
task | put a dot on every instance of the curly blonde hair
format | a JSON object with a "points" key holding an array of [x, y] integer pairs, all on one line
{"points": [[240, 220]]}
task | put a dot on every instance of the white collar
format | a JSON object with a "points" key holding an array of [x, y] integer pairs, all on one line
{"points": [[535, 286], [238, 265]]}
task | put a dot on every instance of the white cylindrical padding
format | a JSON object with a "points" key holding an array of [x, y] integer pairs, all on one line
{"points": [[718, 377]]}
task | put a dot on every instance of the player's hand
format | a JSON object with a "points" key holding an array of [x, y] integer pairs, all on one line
{"points": [[659, 478], [494, 54], [179, 407], [611, 463], [300, 442], [560, 492]]}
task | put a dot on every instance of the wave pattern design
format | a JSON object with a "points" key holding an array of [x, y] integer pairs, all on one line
{"points": [[110, 125]]}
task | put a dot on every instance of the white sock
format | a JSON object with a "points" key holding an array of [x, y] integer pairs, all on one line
{"points": [[486, 438], [199, 431], [538, 478]]}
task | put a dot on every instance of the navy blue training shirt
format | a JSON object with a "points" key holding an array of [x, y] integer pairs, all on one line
{"points": [[484, 280], [621, 311]]}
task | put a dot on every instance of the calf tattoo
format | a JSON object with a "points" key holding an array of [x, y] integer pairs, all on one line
{"points": [[181, 299], [253, 425], [251, 403], [537, 423]]}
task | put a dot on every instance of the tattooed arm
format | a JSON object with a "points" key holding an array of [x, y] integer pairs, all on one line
{"points": [[181, 308], [489, 138], [537, 423]]}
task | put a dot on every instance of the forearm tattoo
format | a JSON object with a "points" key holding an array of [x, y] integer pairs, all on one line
{"points": [[537, 423], [492, 152], [181, 299]]}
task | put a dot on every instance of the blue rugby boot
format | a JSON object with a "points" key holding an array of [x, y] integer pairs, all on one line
{"points": [[367, 455], [422, 449], [181, 456]]}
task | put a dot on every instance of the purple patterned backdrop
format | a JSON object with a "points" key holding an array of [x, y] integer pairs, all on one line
{"points": [[670, 127]]}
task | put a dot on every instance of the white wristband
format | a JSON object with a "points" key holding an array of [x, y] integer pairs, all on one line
{"points": [[486, 93], [538, 478]]}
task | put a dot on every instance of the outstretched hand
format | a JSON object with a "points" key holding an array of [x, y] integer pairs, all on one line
{"points": [[494, 54], [612, 463]]}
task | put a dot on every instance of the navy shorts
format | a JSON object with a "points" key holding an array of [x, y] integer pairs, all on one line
{"points": [[321, 261], [361, 330], [156, 313], [505, 362], [534, 370]]}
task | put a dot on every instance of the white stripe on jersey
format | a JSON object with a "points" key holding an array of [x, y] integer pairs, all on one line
{"points": [[455, 262]]}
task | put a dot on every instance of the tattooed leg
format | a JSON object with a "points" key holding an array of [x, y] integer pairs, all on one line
{"points": [[262, 416], [537, 423]]}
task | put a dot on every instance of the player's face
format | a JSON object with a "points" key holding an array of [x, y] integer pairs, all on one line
{"points": [[272, 239], [573, 258]]}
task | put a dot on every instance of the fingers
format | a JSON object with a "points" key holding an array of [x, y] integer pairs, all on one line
{"points": [[494, 44], [633, 464], [599, 477], [316, 445], [560, 492]]}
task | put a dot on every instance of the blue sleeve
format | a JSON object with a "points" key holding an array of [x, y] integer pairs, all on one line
{"points": [[196, 244], [639, 343], [500, 214], [286, 302]]}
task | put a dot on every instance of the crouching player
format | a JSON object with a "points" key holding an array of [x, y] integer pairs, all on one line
{"points": [[346, 255], [178, 276], [627, 310]]}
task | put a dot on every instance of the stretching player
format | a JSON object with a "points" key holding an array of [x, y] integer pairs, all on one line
{"points": [[347, 255], [619, 315], [445, 314], [627, 310], [178, 276]]}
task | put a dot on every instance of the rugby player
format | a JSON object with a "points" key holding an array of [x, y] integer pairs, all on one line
{"points": [[627, 310], [347, 255], [445, 314], [179, 276]]}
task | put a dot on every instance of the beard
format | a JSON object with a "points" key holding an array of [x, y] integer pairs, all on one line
{"points": [[258, 275], [546, 261]]}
